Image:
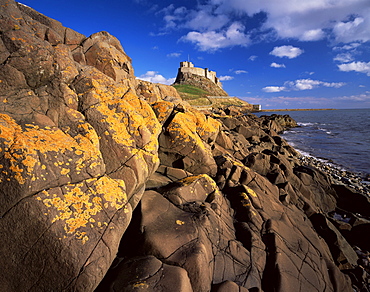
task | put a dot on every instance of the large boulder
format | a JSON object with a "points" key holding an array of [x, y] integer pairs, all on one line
{"points": [[186, 141], [189, 224], [77, 146]]}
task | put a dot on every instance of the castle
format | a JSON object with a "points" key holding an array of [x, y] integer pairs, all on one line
{"points": [[188, 67]]}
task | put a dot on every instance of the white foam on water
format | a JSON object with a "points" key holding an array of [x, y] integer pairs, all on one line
{"points": [[305, 124]]}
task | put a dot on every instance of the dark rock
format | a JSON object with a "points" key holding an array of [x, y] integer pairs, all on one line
{"points": [[343, 254], [147, 273], [352, 201]]}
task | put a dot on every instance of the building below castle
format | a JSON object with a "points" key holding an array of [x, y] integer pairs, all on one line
{"points": [[188, 67]]}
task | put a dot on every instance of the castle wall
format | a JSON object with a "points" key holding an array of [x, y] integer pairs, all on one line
{"points": [[188, 67], [193, 70]]}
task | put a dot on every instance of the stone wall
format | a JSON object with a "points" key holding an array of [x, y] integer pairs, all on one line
{"points": [[188, 67]]}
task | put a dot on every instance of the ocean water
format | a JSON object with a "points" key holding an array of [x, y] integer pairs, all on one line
{"points": [[340, 137]]}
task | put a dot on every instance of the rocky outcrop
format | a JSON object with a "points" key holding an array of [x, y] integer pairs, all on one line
{"points": [[109, 183], [200, 82]]}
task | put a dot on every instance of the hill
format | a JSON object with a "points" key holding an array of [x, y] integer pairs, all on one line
{"points": [[199, 97]]}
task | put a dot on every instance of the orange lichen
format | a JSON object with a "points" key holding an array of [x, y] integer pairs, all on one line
{"points": [[162, 109], [77, 204], [125, 119], [24, 145], [179, 222], [183, 131], [250, 191]]}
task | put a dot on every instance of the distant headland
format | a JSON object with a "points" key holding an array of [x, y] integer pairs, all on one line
{"points": [[298, 109]]}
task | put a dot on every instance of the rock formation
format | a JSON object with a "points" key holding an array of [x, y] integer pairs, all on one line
{"points": [[200, 82], [108, 183]]}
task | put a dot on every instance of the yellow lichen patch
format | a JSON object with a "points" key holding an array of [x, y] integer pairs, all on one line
{"points": [[78, 204], [124, 118], [141, 285], [179, 222], [183, 131], [189, 180], [24, 146], [112, 190], [64, 171], [162, 108], [245, 200], [205, 180], [206, 126], [251, 192]]}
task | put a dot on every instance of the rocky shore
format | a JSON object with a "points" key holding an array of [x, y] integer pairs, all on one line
{"points": [[356, 181], [109, 183]]}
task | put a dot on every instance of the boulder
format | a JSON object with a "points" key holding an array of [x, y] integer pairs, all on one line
{"points": [[147, 273], [188, 224], [185, 141], [77, 146]]}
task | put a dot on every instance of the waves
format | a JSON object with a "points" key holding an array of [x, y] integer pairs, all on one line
{"points": [[341, 137]]}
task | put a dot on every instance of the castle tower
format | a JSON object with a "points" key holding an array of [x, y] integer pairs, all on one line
{"points": [[186, 64]]}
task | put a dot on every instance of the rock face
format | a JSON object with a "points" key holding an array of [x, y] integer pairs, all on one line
{"points": [[108, 183], [200, 82]]}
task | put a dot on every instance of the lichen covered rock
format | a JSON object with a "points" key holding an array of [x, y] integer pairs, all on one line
{"points": [[111, 183]]}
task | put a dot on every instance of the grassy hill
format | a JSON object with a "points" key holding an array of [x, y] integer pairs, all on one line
{"points": [[199, 97], [193, 95]]}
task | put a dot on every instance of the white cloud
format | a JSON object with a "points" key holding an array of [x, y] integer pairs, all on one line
{"points": [[154, 77], [305, 84], [307, 20], [360, 97], [240, 72], [214, 25], [276, 65], [174, 55], [344, 57], [204, 20], [347, 47], [312, 35], [355, 30], [252, 58], [361, 67], [211, 41], [273, 88], [226, 78], [286, 51], [302, 84]]}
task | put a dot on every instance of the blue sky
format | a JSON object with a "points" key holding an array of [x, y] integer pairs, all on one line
{"points": [[278, 53]]}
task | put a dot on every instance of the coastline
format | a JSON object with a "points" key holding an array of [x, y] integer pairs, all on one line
{"points": [[338, 176], [298, 109], [338, 138]]}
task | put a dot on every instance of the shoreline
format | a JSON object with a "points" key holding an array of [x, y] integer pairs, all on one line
{"points": [[339, 176], [292, 110]]}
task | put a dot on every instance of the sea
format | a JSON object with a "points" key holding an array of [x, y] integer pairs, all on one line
{"points": [[338, 137]]}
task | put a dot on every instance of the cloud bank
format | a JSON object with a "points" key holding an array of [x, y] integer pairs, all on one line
{"points": [[361, 67], [154, 77], [302, 84], [211, 40], [217, 24]]}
